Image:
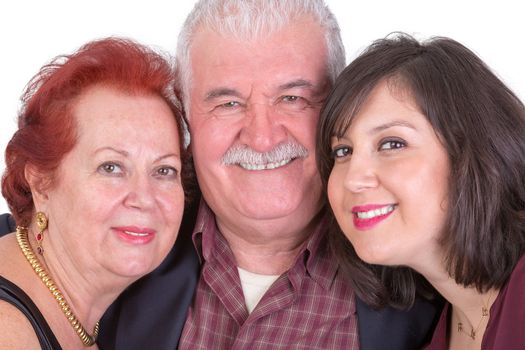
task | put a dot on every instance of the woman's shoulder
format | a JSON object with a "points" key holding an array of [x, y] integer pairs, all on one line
{"points": [[22, 325], [512, 295], [16, 331], [505, 328], [11, 257], [516, 284]]}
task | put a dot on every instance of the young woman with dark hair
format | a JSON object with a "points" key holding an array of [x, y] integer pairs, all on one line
{"points": [[422, 152]]}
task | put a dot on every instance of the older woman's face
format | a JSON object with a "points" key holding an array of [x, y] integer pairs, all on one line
{"points": [[118, 200], [389, 183]]}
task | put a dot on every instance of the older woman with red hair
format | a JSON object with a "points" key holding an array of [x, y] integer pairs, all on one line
{"points": [[93, 180]]}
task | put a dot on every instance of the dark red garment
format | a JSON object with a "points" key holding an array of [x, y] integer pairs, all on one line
{"points": [[309, 307], [506, 326]]}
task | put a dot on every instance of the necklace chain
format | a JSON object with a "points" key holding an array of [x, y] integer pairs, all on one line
{"points": [[474, 331], [87, 339]]}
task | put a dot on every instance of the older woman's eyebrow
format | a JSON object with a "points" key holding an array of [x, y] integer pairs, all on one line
{"points": [[126, 154], [392, 124], [109, 148], [169, 155]]}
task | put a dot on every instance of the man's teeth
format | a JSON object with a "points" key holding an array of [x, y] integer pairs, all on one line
{"points": [[375, 212], [136, 234], [266, 166]]}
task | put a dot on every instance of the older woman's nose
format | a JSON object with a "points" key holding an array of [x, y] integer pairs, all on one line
{"points": [[140, 192]]}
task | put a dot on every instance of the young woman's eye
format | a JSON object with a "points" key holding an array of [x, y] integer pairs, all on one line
{"points": [[388, 145], [341, 152], [110, 168]]}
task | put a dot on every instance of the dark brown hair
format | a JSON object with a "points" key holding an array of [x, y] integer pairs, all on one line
{"points": [[481, 124], [46, 125]]}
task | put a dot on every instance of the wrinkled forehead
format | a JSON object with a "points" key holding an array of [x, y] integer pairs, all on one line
{"points": [[300, 46], [301, 29]]}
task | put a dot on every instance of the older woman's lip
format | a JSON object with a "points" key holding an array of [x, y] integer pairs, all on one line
{"points": [[135, 234]]}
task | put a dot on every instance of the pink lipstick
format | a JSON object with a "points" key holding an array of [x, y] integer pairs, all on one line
{"points": [[367, 216], [134, 234]]}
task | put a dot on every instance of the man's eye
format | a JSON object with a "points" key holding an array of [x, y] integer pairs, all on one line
{"points": [[341, 152], [292, 103], [227, 108], [391, 145], [290, 98], [110, 168], [229, 104]]}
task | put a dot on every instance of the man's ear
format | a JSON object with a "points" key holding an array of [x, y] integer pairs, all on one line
{"points": [[39, 185]]}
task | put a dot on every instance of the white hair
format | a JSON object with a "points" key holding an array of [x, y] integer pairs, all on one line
{"points": [[249, 19]]}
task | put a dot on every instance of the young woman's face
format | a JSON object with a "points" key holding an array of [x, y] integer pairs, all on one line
{"points": [[388, 187]]}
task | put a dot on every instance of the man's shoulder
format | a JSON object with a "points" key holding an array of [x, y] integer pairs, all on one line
{"points": [[390, 328]]}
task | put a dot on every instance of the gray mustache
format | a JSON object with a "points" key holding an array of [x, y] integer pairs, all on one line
{"points": [[283, 151]]}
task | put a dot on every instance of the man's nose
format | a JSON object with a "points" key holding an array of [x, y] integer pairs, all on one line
{"points": [[263, 128]]}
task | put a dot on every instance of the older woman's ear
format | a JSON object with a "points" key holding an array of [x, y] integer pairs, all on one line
{"points": [[38, 183]]}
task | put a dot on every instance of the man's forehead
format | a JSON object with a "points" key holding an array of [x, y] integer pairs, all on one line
{"points": [[220, 91], [228, 66], [298, 33]]}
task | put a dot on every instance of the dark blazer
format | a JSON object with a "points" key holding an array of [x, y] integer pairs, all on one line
{"points": [[151, 312]]}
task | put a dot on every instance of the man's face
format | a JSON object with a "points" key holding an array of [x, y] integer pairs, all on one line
{"points": [[254, 107]]}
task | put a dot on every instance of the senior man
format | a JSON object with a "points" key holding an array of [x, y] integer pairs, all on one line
{"points": [[254, 75], [258, 77]]}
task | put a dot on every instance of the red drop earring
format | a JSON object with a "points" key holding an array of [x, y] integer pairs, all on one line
{"points": [[41, 222]]}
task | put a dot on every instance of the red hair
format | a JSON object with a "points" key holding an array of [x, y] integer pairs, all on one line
{"points": [[46, 125]]}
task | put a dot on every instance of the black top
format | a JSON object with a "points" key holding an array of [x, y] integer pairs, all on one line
{"points": [[16, 297]]}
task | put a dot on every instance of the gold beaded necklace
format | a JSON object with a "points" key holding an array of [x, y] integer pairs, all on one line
{"points": [[21, 237]]}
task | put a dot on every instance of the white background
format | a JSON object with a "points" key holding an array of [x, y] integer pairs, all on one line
{"points": [[32, 32]]}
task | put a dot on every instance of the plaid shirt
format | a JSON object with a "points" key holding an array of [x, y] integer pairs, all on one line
{"points": [[308, 307]]}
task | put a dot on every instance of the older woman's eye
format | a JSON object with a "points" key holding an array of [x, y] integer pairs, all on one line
{"points": [[387, 145], [341, 152], [166, 172], [110, 168]]}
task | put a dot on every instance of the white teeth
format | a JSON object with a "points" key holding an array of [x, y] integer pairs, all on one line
{"points": [[375, 212], [267, 166], [136, 234]]}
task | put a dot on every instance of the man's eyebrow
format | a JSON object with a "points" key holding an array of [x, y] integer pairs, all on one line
{"points": [[220, 92], [301, 83]]}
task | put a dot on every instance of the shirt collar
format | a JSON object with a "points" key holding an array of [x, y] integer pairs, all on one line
{"points": [[314, 259]]}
